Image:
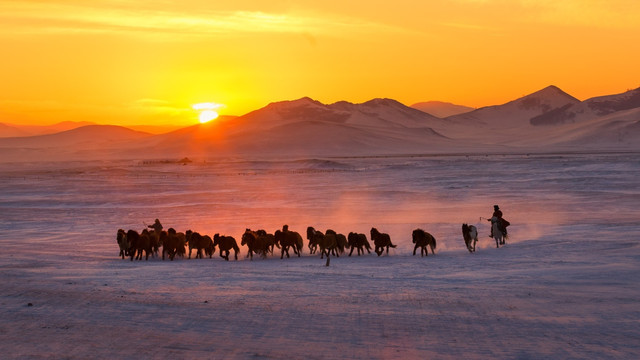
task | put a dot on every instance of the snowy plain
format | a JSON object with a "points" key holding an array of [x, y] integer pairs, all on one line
{"points": [[565, 286]]}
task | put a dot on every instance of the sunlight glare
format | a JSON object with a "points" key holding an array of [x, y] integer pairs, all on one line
{"points": [[207, 111], [207, 115]]}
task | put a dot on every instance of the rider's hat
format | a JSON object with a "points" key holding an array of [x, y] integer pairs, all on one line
{"points": [[496, 207]]}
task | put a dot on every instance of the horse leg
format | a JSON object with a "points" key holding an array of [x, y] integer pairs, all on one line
{"points": [[351, 252], [414, 249]]}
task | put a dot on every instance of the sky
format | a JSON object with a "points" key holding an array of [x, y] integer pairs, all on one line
{"points": [[147, 62]]}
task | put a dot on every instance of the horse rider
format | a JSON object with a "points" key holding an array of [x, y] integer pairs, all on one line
{"points": [[502, 223], [157, 227]]}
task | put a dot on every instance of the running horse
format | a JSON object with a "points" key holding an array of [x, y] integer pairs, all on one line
{"points": [[470, 236], [498, 233]]}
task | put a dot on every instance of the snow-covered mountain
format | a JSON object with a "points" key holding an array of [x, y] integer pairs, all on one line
{"points": [[441, 109], [589, 109], [517, 113], [308, 127]]}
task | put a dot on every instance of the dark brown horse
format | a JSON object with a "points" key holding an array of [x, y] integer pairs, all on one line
{"points": [[269, 239], [286, 239], [359, 242], [255, 243], [154, 238], [313, 235], [123, 243], [139, 243], [172, 243], [381, 241], [422, 239], [199, 242], [341, 242], [225, 244]]}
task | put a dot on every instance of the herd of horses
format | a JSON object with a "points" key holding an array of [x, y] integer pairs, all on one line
{"points": [[260, 243]]}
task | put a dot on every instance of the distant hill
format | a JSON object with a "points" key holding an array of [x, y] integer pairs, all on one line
{"points": [[7, 130], [163, 129], [90, 142], [90, 135], [441, 109], [13, 130]]}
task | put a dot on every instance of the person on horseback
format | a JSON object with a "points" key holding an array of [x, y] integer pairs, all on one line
{"points": [[502, 223], [157, 227]]}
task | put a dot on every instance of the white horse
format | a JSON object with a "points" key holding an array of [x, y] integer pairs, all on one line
{"points": [[470, 235], [498, 235]]}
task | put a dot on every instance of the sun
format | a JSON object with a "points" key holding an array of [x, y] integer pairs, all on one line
{"points": [[207, 115], [207, 111]]}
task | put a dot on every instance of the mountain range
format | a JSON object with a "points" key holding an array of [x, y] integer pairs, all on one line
{"points": [[441, 109], [548, 120]]}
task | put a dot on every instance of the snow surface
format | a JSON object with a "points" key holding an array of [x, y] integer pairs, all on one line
{"points": [[565, 286]]}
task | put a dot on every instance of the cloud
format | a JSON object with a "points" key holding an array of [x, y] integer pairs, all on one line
{"points": [[590, 13], [56, 17], [158, 107]]}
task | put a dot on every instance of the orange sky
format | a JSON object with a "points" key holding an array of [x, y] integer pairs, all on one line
{"points": [[147, 62]]}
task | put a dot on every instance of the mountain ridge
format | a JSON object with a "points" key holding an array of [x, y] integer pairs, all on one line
{"points": [[540, 121]]}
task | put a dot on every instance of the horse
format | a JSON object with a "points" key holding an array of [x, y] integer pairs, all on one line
{"points": [[470, 236], [498, 234], [255, 243], [286, 239], [313, 236], [270, 239], [422, 239], [123, 243], [358, 241], [381, 240], [137, 244], [154, 240], [225, 244], [341, 242], [200, 242], [173, 243]]}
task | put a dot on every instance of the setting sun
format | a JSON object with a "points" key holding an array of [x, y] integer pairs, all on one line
{"points": [[207, 111], [207, 115]]}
